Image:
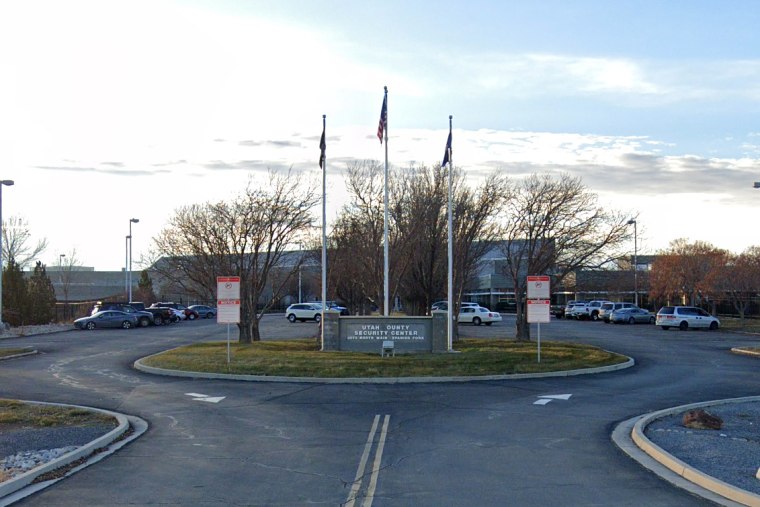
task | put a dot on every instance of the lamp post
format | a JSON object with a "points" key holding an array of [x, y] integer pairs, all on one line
{"points": [[63, 287], [635, 264], [300, 262], [129, 268], [7, 183], [126, 264]]}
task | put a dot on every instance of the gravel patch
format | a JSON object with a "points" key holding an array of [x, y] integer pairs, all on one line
{"points": [[731, 454], [27, 448]]}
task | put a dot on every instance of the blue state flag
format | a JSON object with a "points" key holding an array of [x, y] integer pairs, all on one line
{"points": [[448, 150]]}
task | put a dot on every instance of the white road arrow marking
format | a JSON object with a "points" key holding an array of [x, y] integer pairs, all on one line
{"points": [[210, 399], [205, 397], [544, 399]]}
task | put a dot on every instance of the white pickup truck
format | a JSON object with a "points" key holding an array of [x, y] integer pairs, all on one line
{"points": [[588, 310]]}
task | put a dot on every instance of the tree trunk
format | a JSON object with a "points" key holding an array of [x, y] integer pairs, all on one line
{"points": [[522, 333]]}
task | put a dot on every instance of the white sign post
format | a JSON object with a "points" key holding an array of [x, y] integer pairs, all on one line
{"points": [[539, 304], [228, 304]]}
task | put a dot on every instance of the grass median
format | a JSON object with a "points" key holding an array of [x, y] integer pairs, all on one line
{"points": [[301, 358], [14, 352], [17, 414]]}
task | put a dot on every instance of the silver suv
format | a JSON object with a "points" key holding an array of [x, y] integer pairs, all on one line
{"points": [[684, 317], [605, 311]]}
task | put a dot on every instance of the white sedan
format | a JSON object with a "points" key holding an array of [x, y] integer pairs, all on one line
{"points": [[478, 315]]}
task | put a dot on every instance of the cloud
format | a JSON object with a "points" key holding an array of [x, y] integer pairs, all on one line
{"points": [[119, 171], [277, 143]]}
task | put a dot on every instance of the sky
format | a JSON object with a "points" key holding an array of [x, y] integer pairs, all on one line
{"points": [[112, 110]]}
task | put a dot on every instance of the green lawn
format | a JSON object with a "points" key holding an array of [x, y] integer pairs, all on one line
{"points": [[301, 358]]}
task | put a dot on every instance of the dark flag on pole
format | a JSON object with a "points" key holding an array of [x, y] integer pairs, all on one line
{"points": [[383, 118], [448, 150], [322, 147]]}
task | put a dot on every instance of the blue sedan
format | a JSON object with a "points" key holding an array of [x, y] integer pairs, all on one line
{"points": [[107, 318], [632, 316]]}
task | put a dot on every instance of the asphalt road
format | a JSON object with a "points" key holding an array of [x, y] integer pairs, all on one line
{"points": [[480, 443]]}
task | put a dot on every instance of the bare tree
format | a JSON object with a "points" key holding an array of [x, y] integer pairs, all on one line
{"points": [[246, 237], [17, 242], [554, 226], [66, 264]]}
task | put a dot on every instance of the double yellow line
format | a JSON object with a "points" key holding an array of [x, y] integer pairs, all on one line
{"points": [[360, 476]]}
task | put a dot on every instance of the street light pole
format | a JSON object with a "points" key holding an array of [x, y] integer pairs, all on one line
{"points": [[129, 271], [635, 264], [300, 262], [7, 183], [60, 277], [126, 264]]}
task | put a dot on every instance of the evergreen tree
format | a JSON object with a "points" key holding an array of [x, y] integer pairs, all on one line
{"points": [[144, 291], [15, 299], [41, 297]]}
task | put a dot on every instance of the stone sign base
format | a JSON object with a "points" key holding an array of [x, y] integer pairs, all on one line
{"points": [[371, 334]]}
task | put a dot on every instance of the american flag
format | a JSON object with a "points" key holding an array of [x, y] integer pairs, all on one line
{"points": [[383, 119]]}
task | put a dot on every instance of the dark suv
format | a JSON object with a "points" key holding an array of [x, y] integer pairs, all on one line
{"points": [[189, 314]]}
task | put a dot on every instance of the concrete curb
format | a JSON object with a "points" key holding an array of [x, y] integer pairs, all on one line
{"points": [[745, 352], [630, 437], [138, 365], [30, 353], [21, 486]]}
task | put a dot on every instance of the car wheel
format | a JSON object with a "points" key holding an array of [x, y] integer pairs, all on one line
{"points": [[90, 326], [157, 320], [191, 316], [318, 318], [476, 321], [632, 320], [713, 326], [683, 326], [144, 322], [666, 327], [209, 315], [126, 324], [595, 316], [651, 320], [292, 318]]}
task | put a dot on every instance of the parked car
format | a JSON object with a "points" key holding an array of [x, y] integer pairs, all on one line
{"points": [[574, 308], [107, 318], [188, 313], [144, 318], [333, 305], [478, 315], [161, 315], [444, 305], [684, 317], [632, 316], [605, 311], [592, 309], [557, 310], [304, 311], [203, 311]]}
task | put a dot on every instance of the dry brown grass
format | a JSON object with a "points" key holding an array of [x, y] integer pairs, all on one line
{"points": [[16, 414]]}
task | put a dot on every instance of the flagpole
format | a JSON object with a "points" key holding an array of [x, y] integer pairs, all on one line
{"points": [[324, 231], [386, 298], [450, 276]]}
